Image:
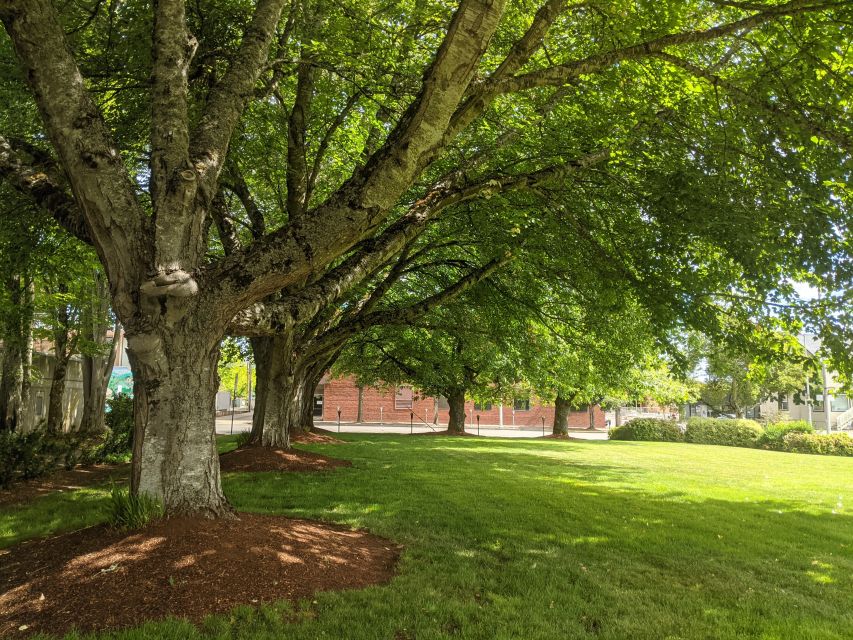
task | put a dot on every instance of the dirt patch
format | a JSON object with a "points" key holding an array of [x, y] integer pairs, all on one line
{"points": [[316, 436], [99, 578], [26, 490], [254, 458]]}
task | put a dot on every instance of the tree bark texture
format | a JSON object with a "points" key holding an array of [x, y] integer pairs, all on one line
{"points": [[179, 464], [562, 408], [456, 402]]}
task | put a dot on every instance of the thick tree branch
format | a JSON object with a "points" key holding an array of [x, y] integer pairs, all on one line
{"points": [[561, 74], [43, 183], [99, 180], [336, 337], [229, 98], [297, 163], [172, 50]]}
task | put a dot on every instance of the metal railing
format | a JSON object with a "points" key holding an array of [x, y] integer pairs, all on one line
{"points": [[845, 420]]}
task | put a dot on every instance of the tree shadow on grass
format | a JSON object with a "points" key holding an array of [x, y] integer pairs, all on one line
{"points": [[513, 526]]}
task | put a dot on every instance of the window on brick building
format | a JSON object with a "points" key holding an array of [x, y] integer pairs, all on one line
{"points": [[403, 398], [482, 406], [521, 404], [443, 404]]}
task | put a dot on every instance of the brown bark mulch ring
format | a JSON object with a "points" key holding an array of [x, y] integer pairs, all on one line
{"points": [[316, 436], [99, 578], [445, 432], [26, 490], [254, 458]]}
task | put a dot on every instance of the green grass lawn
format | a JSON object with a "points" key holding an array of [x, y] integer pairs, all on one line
{"points": [[526, 539]]}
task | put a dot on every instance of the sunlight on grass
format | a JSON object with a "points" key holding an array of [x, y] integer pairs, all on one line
{"points": [[524, 539]]}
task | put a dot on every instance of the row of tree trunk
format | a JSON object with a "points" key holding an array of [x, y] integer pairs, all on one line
{"points": [[17, 358]]}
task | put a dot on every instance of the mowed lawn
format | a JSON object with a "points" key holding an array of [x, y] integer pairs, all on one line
{"points": [[551, 539]]}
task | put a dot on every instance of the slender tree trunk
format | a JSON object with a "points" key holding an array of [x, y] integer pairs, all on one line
{"points": [[591, 411], [359, 415], [456, 401], [618, 416], [97, 371], [562, 408], [17, 354], [262, 351], [55, 404], [177, 371], [10, 385]]}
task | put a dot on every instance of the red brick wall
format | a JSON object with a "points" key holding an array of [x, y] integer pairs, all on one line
{"points": [[342, 392]]}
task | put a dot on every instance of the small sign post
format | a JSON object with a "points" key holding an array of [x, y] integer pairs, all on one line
{"points": [[411, 422], [543, 426], [478, 424], [339, 419], [233, 400]]}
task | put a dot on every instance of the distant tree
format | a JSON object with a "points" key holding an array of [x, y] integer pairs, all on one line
{"points": [[737, 381]]}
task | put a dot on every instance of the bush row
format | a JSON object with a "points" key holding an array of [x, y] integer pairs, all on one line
{"points": [[36, 453], [729, 433], [795, 436], [649, 429]]}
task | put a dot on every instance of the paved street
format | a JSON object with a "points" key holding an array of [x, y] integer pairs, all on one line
{"points": [[243, 422]]}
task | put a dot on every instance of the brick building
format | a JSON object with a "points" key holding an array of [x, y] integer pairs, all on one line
{"points": [[395, 405]]}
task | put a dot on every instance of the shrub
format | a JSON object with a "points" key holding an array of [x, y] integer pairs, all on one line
{"points": [[729, 433], [649, 429], [243, 438], [834, 444], [8, 458], [775, 432], [132, 512], [36, 454], [119, 421]]}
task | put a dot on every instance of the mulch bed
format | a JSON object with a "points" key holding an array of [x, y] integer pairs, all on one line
{"points": [[253, 458], [99, 578], [26, 490], [445, 432], [316, 436]]}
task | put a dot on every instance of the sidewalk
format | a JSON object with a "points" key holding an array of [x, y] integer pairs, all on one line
{"points": [[243, 422]]}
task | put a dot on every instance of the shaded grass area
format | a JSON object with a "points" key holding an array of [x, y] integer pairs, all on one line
{"points": [[554, 539]]}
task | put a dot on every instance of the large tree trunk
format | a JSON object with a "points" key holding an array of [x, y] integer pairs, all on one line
{"points": [[562, 408], [179, 464], [278, 411], [456, 402]]}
